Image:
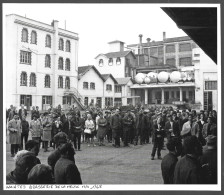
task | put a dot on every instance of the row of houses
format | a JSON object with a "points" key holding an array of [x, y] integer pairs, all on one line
{"points": [[41, 69]]}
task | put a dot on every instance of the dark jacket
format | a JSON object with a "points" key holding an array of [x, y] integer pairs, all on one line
{"points": [[141, 123], [175, 128], [20, 113], [53, 158], [128, 122], [116, 122], [66, 128], [77, 125], [187, 171], [208, 163], [66, 172], [11, 178], [168, 166], [25, 127]]}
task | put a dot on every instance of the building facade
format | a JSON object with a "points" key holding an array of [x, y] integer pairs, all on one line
{"points": [[41, 63]]}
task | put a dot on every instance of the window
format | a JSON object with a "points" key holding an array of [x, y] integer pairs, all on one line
{"points": [[185, 61], [60, 63], [191, 95], [85, 85], [48, 61], [68, 46], [170, 48], [92, 101], [67, 64], [48, 41], [47, 81], [210, 85], [153, 50], [118, 61], [61, 44], [171, 61], [25, 57], [33, 37], [47, 100], [109, 87], [108, 101], [185, 47], [178, 94], [32, 80], [160, 50], [110, 61], [118, 89], [92, 85], [67, 83], [67, 100], [100, 62], [172, 94], [86, 101], [196, 55], [24, 35], [23, 79], [60, 82], [146, 51]]}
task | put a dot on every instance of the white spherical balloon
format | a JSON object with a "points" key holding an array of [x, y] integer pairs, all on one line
{"points": [[175, 76], [163, 77], [184, 76], [139, 80], [141, 75], [147, 80]]}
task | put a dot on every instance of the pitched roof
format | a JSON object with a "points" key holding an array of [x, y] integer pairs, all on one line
{"points": [[116, 41], [117, 54], [123, 81], [82, 70], [106, 76]]}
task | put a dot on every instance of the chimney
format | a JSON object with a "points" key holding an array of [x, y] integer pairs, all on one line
{"points": [[140, 43], [54, 23], [148, 40], [164, 35]]}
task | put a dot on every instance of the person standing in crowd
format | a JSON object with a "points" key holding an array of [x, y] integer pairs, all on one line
{"points": [[22, 112], [15, 130], [47, 128], [33, 111], [90, 127], [214, 116], [36, 129], [33, 146], [12, 112], [141, 126], [37, 112], [40, 174], [116, 127], [63, 117], [209, 128], [102, 127], [109, 130], [82, 121], [169, 161], [208, 161], [187, 170], [189, 125], [128, 123], [68, 127], [25, 131], [60, 139], [65, 170], [8, 111], [77, 131], [171, 127], [158, 139], [197, 130], [56, 127], [24, 164]]}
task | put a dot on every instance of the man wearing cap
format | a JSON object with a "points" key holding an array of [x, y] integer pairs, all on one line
{"points": [[128, 123], [15, 130], [209, 161]]}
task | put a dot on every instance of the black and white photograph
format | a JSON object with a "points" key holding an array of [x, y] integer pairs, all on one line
{"points": [[111, 96]]}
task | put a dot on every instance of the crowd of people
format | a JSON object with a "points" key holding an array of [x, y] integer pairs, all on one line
{"points": [[183, 131]]}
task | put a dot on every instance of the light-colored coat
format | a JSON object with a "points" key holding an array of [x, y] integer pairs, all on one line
{"points": [[194, 129], [15, 130], [36, 128]]}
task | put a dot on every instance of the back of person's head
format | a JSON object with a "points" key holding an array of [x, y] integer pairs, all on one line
{"points": [[171, 144], [192, 145], [40, 174], [32, 146], [24, 164]]}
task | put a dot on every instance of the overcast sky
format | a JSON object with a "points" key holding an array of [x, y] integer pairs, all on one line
{"points": [[98, 24]]}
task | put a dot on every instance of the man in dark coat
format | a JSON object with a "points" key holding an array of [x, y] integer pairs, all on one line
{"points": [[141, 126], [188, 170], [33, 146], [116, 125], [65, 170], [22, 112], [208, 161], [68, 127], [169, 162], [171, 128], [24, 164], [128, 123], [25, 131]]}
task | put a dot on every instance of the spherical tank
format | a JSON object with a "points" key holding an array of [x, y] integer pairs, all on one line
{"points": [[139, 80], [153, 77], [175, 76], [163, 77], [147, 80]]}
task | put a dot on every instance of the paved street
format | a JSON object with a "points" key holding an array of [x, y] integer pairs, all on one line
{"points": [[109, 165]]}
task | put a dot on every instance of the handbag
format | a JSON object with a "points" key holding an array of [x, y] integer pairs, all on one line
{"points": [[88, 131]]}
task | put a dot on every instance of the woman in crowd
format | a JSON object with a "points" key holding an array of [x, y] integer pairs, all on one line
{"points": [[89, 130], [102, 127], [47, 128], [56, 127]]}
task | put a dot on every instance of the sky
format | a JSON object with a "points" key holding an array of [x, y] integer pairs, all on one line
{"points": [[98, 24]]}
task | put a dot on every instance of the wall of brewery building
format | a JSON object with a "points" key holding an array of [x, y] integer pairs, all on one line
{"points": [[205, 70]]}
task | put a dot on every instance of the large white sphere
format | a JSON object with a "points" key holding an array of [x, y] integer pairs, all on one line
{"points": [[139, 80], [175, 76], [141, 75], [184, 76], [163, 77], [152, 74], [147, 80], [190, 76]]}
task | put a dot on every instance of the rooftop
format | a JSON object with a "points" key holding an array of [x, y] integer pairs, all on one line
{"points": [[123, 81], [116, 41]]}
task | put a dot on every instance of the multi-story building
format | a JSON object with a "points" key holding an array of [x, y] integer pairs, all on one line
{"points": [[197, 84], [41, 63]]}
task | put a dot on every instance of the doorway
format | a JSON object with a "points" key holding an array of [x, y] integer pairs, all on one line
{"points": [[26, 100]]}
